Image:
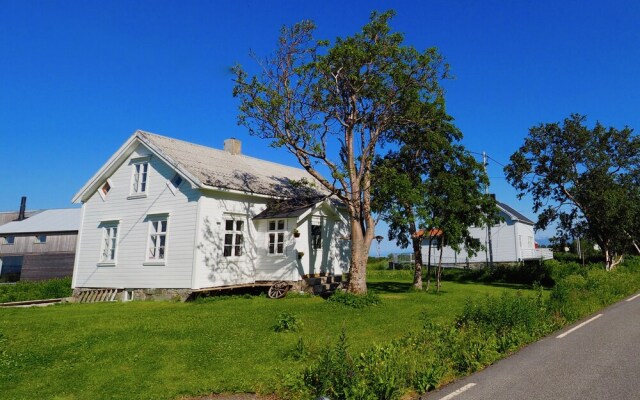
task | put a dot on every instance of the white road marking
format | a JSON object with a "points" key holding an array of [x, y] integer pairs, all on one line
{"points": [[578, 327], [634, 297], [459, 391]]}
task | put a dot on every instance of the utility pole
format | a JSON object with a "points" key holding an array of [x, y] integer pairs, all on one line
{"points": [[486, 191]]}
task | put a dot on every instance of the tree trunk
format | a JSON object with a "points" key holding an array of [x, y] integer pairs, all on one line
{"points": [[429, 264], [360, 244], [417, 254], [439, 273]]}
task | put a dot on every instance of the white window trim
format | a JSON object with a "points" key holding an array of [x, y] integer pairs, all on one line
{"points": [[150, 219], [133, 162], [102, 195], [234, 217], [276, 232], [105, 225]]}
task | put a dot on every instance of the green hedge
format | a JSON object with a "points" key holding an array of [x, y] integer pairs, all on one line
{"points": [[487, 330], [24, 291]]}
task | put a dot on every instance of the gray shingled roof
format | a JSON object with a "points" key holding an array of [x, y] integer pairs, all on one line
{"points": [[55, 220], [515, 214], [221, 169]]}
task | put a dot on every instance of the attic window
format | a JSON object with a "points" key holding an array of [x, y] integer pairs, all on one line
{"points": [[176, 181], [105, 188], [41, 238], [9, 239], [139, 178]]}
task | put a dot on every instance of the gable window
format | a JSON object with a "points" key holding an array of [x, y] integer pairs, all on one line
{"points": [[233, 237], [157, 247], [139, 179], [9, 239], [42, 238], [176, 181], [109, 243], [276, 236], [105, 188], [316, 236]]}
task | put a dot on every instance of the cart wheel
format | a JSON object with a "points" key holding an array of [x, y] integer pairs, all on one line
{"points": [[278, 290]]}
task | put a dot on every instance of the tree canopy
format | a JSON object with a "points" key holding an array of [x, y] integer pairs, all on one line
{"points": [[332, 105], [583, 179]]}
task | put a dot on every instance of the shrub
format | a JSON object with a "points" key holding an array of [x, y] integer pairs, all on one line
{"points": [[24, 291], [354, 300], [287, 322]]}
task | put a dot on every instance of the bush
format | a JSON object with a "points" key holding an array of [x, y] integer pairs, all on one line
{"points": [[354, 300], [287, 322], [40, 290]]}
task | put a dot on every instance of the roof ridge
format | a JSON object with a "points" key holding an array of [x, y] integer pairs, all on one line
{"points": [[219, 150]]}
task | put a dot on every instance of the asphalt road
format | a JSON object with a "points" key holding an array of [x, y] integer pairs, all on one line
{"points": [[598, 360]]}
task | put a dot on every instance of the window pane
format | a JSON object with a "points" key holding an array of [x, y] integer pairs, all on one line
{"points": [[272, 247], [280, 237], [163, 226], [280, 248], [272, 225], [227, 251], [228, 225], [239, 225], [228, 239], [238, 250], [239, 239], [280, 224]]}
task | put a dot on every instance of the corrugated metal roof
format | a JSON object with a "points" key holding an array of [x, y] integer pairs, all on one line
{"points": [[221, 169], [515, 214], [55, 220]]}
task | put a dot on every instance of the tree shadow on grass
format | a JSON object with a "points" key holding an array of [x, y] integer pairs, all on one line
{"points": [[390, 287]]}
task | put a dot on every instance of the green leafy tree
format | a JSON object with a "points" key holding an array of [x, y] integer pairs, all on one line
{"points": [[583, 179], [331, 106], [431, 183]]}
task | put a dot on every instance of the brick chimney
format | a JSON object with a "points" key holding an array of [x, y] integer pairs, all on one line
{"points": [[233, 146]]}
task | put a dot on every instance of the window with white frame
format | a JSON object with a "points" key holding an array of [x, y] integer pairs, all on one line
{"points": [[41, 238], [109, 242], [276, 236], [233, 237], [157, 248], [10, 239], [316, 235], [139, 178]]}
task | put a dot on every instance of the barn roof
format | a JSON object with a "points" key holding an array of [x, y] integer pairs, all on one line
{"points": [[54, 220]]}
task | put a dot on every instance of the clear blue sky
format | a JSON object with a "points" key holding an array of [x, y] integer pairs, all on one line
{"points": [[79, 77]]}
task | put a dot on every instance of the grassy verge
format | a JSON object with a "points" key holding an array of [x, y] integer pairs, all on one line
{"points": [[148, 350], [22, 291], [399, 342]]}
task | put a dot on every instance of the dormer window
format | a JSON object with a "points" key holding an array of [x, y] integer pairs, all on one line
{"points": [[42, 238], [139, 179]]}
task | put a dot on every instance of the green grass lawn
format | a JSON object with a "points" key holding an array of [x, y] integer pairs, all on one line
{"points": [[162, 350]]}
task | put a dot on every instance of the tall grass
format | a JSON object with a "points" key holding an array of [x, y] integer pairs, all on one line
{"points": [[23, 291]]}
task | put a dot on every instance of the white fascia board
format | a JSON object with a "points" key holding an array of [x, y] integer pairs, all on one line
{"points": [[241, 192], [96, 179], [195, 182], [118, 157]]}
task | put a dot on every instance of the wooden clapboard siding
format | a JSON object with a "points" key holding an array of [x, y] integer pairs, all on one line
{"points": [[36, 267], [211, 267], [26, 243], [130, 270]]}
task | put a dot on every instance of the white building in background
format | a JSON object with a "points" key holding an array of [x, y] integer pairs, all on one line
{"points": [[168, 214], [512, 240]]}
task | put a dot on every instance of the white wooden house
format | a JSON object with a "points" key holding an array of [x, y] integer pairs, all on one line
{"points": [[512, 240], [168, 214]]}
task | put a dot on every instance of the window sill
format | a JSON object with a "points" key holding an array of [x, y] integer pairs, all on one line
{"points": [[106, 264], [137, 196], [154, 263]]}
